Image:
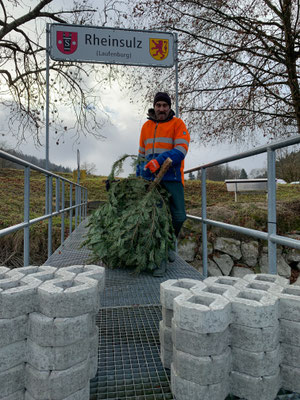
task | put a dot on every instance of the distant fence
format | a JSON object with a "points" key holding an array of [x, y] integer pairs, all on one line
{"points": [[271, 237], [79, 204]]}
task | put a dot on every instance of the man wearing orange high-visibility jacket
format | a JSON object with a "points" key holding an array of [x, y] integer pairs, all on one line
{"points": [[165, 136]]}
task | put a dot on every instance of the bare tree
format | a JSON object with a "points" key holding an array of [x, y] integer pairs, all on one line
{"points": [[22, 70], [238, 64]]}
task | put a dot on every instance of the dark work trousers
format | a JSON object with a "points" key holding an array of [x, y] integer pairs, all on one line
{"points": [[177, 206]]}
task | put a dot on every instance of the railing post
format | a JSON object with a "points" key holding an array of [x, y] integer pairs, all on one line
{"points": [[76, 206], [57, 183], [71, 210], [204, 226], [86, 202], [50, 189], [272, 247], [62, 236], [26, 214], [80, 207]]}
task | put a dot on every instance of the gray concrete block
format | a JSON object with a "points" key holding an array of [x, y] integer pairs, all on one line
{"points": [[165, 336], [202, 370], [256, 364], [12, 380], [202, 312], [3, 271], [167, 316], [19, 395], [254, 339], [289, 302], [10, 279], [166, 357], [49, 331], [290, 378], [93, 363], [253, 388], [63, 297], [56, 385], [267, 278], [289, 332], [230, 281], [183, 389], [83, 394], [13, 330], [94, 342], [174, 287], [254, 308], [200, 344], [12, 355], [56, 358], [290, 355], [19, 299], [222, 290]]}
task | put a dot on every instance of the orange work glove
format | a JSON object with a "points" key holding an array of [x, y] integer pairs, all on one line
{"points": [[152, 165]]}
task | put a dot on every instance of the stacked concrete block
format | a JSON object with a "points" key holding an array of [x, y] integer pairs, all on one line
{"points": [[201, 372], [289, 322], [168, 291], [236, 336], [48, 335]]}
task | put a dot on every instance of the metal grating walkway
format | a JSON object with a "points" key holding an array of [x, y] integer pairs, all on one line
{"points": [[129, 366]]}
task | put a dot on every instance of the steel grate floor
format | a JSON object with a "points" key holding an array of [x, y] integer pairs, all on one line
{"points": [[129, 366]]}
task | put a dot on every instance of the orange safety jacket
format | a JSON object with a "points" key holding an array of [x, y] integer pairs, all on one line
{"points": [[160, 140]]}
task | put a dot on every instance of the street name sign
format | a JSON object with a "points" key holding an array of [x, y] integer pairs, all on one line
{"points": [[82, 43]]}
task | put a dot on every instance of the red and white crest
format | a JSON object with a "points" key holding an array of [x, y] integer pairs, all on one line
{"points": [[66, 42]]}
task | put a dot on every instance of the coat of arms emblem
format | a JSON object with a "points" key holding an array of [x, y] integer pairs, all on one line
{"points": [[66, 42], [159, 48]]}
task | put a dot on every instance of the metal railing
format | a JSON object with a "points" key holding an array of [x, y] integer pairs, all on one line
{"points": [[79, 205], [271, 237]]}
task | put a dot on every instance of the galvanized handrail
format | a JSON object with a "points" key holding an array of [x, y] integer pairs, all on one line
{"points": [[80, 204], [270, 236]]}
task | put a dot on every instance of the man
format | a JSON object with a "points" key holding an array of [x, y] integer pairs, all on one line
{"points": [[163, 136]]}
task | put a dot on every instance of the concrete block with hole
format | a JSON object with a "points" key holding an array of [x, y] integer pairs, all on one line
{"points": [[289, 302], [253, 388], [12, 380], [166, 357], [50, 331], [202, 312], [13, 330], [289, 332], [184, 389], [257, 364], [167, 316], [290, 377], [174, 287], [200, 344], [82, 394], [254, 339], [56, 385], [202, 370], [255, 308], [12, 355], [267, 279], [46, 358], [18, 395], [290, 355]]}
